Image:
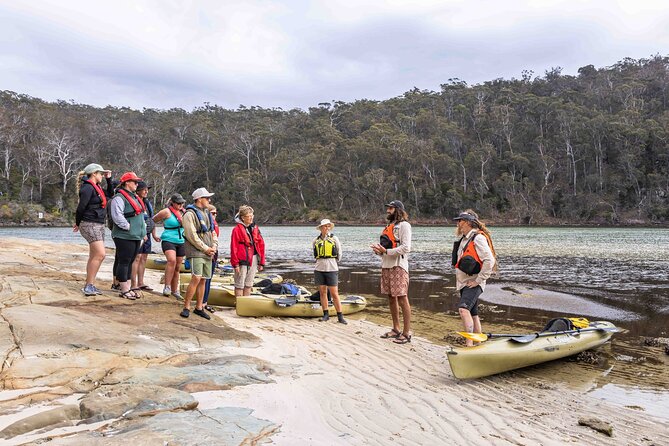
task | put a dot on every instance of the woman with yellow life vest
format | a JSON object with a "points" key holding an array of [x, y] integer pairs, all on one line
{"points": [[90, 219], [327, 251], [128, 231], [474, 260]]}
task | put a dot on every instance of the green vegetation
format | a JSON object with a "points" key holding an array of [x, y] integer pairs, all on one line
{"points": [[591, 148]]}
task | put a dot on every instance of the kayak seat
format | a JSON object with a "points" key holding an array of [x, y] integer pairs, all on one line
{"points": [[558, 324]]}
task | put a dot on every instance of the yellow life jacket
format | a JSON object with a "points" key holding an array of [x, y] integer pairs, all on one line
{"points": [[325, 248]]}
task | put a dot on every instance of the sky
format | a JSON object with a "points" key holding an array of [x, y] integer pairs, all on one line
{"points": [[271, 53]]}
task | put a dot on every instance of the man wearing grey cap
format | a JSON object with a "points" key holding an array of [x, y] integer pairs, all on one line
{"points": [[474, 261], [201, 245], [394, 248]]}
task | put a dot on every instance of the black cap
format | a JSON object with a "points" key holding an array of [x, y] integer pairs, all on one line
{"points": [[397, 204], [142, 185], [177, 198], [465, 216]]}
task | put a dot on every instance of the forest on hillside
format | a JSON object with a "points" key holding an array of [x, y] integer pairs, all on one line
{"points": [[551, 149]]}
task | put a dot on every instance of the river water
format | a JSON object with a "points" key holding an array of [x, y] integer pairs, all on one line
{"points": [[617, 274]]}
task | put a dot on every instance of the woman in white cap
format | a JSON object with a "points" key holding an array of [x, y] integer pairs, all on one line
{"points": [[90, 219], [327, 251]]}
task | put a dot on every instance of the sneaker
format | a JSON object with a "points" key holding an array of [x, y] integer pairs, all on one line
{"points": [[89, 290], [185, 312], [116, 287], [201, 313], [97, 290], [178, 295], [167, 291]]}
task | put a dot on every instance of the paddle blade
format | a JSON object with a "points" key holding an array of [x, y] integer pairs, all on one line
{"points": [[579, 322], [478, 337]]}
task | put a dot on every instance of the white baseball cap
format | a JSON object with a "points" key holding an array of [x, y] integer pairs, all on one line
{"points": [[201, 192]]}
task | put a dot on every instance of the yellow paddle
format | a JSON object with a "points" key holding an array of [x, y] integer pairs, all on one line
{"points": [[478, 337]]}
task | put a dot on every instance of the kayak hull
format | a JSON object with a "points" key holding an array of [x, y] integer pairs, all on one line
{"points": [[258, 305], [503, 354], [220, 294], [229, 279], [159, 264]]}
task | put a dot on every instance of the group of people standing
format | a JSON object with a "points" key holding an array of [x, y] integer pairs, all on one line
{"points": [[191, 232]]}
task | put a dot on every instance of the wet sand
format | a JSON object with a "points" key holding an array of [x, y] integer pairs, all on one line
{"points": [[327, 383]]}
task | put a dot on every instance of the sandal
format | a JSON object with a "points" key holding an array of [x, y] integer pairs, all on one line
{"points": [[130, 295], [138, 292], [209, 308], [405, 339], [146, 287], [391, 334]]}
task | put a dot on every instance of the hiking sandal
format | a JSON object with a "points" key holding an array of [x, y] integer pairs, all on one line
{"points": [[405, 339], [130, 295], [138, 292], [391, 334]]}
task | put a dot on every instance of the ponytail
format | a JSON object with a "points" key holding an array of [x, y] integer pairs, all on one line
{"points": [[80, 175]]}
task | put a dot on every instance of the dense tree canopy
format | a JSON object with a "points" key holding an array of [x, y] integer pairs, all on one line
{"points": [[548, 149]]}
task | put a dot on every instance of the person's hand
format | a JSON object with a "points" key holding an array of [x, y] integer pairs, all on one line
{"points": [[156, 238], [471, 284], [75, 228], [108, 174], [146, 237], [260, 267], [237, 269]]}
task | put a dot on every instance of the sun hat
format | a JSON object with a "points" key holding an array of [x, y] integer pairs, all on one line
{"points": [[324, 222], [129, 176], [397, 204], [177, 198], [465, 216], [92, 168], [201, 193]]}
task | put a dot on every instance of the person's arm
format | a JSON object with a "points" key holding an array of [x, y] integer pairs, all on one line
{"points": [[261, 249], [339, 252], [405, 241], [234, 260], [85, 194], [109, 192], [163, 214], [487, 258], [117, 208]]}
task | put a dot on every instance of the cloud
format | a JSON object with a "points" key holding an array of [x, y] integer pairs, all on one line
{"points": [[165, 54]]}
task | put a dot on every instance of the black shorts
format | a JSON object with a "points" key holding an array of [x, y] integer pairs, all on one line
{"points": [[169, 246], [146, 247], [330, 278], [469, 299]]}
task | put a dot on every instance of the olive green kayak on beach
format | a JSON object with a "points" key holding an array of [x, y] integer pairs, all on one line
{"points": [[228, 278], [157, 262], [223, 295], [502, 353], [293, 306]]}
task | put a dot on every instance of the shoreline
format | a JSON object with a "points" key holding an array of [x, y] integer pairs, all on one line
{"points": [[301, 381]]}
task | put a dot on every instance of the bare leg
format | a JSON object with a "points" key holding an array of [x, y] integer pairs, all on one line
{"points": [[247, 290], [467, 323], [96, 254], [323, 290], [193, 287], [239, 292], [133, 274], [200, 294], [171, 257], [141, 268], [334, 291], [175, 276], [406, 313], [394, 311]]}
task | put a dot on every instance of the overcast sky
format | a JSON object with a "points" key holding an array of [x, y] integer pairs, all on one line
{"points": [[272, 53]]}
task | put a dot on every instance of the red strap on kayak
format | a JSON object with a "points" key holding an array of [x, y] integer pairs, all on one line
{"points": [[99, 191], [177, 214], [136, 206]]}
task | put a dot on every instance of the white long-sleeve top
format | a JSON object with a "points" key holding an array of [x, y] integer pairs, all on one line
{"points": [[399, 256], [485, 254]]}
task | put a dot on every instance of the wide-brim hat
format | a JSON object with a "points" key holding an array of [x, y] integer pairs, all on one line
{"points": [[324, 222], [92, 168], [201, 193], [129, 176]]}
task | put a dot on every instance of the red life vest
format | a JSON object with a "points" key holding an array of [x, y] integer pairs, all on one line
{"points": [[137, 206], [100, 192], [177, 214], [388, 240]]}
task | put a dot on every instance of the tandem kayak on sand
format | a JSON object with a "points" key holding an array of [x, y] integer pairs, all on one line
{"points": [[223, 295], [155, 262], [509, 352], [228, 278], [293, 306]]}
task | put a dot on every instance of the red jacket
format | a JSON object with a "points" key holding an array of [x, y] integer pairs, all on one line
{"points": [[241, 249]]}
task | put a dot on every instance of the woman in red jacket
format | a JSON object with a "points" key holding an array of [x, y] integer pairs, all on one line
{"points": [[247, 251]]}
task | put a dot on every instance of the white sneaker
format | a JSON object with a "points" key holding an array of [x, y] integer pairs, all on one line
{"points": [[167, 291]]}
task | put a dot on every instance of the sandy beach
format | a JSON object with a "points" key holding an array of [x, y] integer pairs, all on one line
{"points": [[91, 365]]}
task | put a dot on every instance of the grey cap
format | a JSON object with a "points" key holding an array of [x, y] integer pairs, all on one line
{"points": [[465, 216], [397, 204], [93, 167], [201, 193], [177, 198]]}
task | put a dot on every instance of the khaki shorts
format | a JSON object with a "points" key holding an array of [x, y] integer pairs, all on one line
{"points": [[395, 281], [246, 275], [92, 232], [200, 267]]}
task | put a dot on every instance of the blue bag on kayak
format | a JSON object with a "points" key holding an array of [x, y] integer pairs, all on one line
{"points": [[289, 289]]}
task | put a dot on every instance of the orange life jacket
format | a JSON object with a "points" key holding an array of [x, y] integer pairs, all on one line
{"points": [[388, 240], [469, 254]]}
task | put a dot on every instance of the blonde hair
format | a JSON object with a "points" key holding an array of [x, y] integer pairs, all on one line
{"points": [[478, 224], [80, 175], [245, 209]]}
